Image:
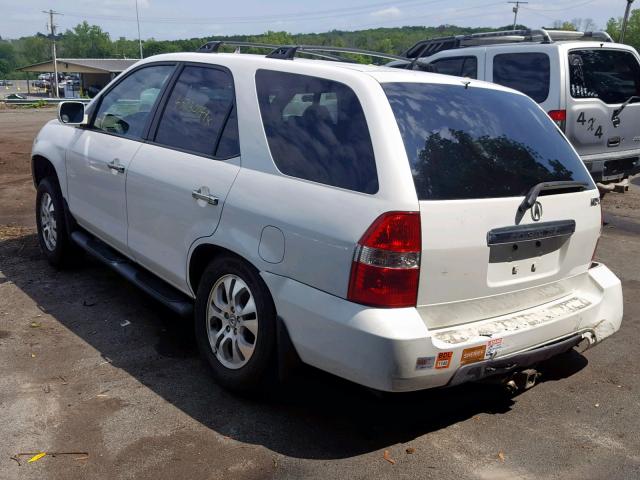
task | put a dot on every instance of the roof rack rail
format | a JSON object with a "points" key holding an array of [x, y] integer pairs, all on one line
{"points": [[426, 48], [289, 52]]}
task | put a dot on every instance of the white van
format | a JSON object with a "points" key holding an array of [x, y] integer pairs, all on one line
{"points": [[585, 82]]}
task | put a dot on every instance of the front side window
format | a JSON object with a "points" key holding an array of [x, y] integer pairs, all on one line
{"points": [[610, 75], [471, 143], [458, 66], [528, 73], [316, 130], [200, 114], [125, 109]]}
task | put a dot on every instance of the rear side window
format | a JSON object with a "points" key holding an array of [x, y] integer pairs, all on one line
{"points": [[458, 66], [316, 130], [526, 72], [200, 114], [477, 142], [610, 75]]}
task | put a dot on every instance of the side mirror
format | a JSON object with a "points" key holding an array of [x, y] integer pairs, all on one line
{"points": [[72, 113]]}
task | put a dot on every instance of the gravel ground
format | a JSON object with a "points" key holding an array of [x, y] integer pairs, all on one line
{"points": [[91, 366]]}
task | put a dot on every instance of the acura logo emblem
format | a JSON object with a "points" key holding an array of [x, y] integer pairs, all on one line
{"points": [[536, 211]]}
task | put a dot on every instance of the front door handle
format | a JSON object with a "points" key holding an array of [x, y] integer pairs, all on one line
{"points": [[115, 165], [202, 193]]}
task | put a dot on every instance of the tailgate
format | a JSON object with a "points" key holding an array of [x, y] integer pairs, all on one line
{"points": [[600, 82], [476, 263]]}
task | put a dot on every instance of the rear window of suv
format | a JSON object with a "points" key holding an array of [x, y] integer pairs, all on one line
{"points": [[316, 130], [610, 75], [465, 143]]}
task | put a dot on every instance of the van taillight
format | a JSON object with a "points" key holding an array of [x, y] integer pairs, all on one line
{"points": [[560, 117], [386, 263]]}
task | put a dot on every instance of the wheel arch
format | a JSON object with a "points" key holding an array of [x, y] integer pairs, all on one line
{"points": [[41, 168], [202, 255]]}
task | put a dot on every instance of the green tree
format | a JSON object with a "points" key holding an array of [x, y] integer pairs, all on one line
{"points": [[7, 58], [86, 41], [632, 35]]}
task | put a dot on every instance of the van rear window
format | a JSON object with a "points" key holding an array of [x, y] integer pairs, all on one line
{"points": [[465, 143], [610, 75]]}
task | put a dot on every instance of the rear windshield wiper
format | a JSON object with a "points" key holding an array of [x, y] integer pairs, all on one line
{"points": [[532, 195], [615, 117]]}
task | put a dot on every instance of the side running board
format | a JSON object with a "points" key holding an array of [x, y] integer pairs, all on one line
{"points": [[149, 283]]}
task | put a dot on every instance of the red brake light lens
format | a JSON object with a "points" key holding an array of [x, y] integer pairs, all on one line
{"points": [[396, 231], [386, 266], [560, 117]]}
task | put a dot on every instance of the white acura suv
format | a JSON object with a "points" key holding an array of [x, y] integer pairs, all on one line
{"points": [[400, 229]]}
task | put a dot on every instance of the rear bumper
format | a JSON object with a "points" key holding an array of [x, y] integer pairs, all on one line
{"points": [[610, 167], [393, 350]]}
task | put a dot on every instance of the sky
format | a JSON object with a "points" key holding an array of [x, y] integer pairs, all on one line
{"points": [[174, 19]]}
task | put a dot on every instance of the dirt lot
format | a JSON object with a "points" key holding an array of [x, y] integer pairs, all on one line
{"points": [[90, 364]]}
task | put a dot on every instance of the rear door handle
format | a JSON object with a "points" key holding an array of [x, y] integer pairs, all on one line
{"points": [[115, 165], [202, 193]]}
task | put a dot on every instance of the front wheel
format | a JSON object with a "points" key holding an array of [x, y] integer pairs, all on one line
{"points": [[50, 221], [235, 324]]}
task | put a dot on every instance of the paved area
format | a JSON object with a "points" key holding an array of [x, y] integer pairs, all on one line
{"points": [[91, 366]]}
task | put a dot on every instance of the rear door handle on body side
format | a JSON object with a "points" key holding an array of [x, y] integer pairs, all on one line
{"points": [[202, 193], [115, 165]]}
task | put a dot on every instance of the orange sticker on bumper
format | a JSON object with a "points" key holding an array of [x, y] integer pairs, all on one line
{"points": [[473, 354], [444, 359]]}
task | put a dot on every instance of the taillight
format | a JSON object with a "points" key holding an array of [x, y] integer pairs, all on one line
{"points": [[560, 117], [593, 256], [386, 264]]}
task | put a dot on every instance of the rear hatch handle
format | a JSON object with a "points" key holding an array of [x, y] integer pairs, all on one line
{"points": [[532, 195]]}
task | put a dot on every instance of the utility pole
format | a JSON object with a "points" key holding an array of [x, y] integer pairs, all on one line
{"points": [[515, 12], [138, 20], [52, 29], [623, 30]]}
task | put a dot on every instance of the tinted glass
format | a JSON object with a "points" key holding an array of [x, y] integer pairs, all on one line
{"points": [[229, 145], [478, 143], [470, 67], [526, 72], [200, 105], [125, 109], [610, 75], [458, 66], [316, 130]]}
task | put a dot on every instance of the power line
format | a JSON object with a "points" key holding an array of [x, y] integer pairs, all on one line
{"points": [[292, 17]]}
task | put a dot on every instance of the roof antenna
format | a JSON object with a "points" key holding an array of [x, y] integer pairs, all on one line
{"points": [[466, 84]]}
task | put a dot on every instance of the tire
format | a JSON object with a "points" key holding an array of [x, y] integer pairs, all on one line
{"points": [[237, 341], [53, 237]]}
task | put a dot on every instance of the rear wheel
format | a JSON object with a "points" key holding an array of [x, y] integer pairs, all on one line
{"points": [[50, 220], [235, 324]]}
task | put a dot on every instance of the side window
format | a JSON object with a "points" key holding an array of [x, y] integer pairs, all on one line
{"points": [[526, 72], [200, 114], [458, 66], [125, 109], [470, 67], [316, 130]]}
